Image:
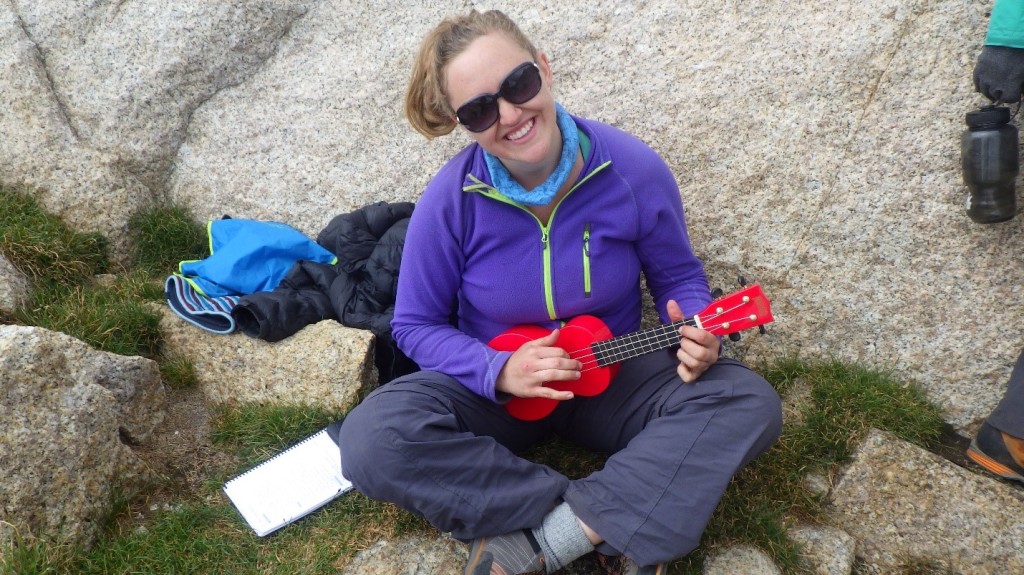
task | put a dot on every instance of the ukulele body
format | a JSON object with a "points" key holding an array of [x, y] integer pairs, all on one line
{"points": [[575, 338]]}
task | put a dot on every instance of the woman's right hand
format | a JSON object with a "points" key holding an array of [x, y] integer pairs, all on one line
{"points": [[535, 363]]}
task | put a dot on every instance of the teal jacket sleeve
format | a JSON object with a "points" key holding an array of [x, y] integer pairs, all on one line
{"points": [[1006, 26]]}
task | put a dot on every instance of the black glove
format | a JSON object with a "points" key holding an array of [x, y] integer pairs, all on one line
{"points": [[999, 73]]}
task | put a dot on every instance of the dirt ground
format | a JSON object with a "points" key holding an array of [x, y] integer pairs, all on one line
{"points": [[953, 446], [180, 452]]}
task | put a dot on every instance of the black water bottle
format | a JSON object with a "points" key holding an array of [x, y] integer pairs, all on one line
{"points": [[989, 152]]}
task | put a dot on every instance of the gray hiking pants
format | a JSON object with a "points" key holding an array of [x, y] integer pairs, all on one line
{"points": [[1008, 416], [429, 445]]}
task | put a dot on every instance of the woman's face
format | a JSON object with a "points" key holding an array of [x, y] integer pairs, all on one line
{"points": [[526, 136]]}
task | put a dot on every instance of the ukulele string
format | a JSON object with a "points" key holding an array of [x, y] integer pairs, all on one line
{"points": [[672, 329], [665, 335]]}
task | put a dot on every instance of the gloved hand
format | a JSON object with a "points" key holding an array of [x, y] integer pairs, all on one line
{"points": [[999, 73]]}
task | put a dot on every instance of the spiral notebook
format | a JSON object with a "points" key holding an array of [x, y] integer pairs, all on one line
{"points": [[292, 484]]}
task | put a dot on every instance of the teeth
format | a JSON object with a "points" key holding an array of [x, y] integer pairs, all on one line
{"points": [[522, 132]]}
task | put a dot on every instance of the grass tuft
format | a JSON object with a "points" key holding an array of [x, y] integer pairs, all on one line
{"points": [[69, 293], [257, 432], [845, 401], [165, 236], [27, 555], [213, 539], [178, 372], [43, 247], [108, 315]]}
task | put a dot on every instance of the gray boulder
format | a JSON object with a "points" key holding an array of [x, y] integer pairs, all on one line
{"points": [[68, 415], [904, 504], [325, 364], [14, 287]]}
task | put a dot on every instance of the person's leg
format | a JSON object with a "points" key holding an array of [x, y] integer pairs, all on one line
{"points": [[429, 445], [998, 447], [1008, 416], [675, 448]]}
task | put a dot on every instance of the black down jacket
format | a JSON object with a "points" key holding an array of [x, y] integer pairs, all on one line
{"points": [[359, 291]]}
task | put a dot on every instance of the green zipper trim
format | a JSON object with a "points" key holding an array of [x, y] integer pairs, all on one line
{"points": [[209, 237], [545, 230], [586, 260], [195, 286], [209, 234]]}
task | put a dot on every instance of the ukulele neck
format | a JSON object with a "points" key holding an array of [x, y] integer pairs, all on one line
{"points": [[630, 345]]}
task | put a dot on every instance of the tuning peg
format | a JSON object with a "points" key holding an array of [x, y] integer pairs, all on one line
{"points": [[717, 293], [742, 280], [735, 336]]}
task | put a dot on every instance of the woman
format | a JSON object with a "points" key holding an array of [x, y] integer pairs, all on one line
{"points": [[546, 216]]}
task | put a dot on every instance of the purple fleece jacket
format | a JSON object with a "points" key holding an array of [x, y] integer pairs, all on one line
{"points": [[473, 256]]}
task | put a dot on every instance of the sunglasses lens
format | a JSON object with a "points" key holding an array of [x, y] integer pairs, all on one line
{"points": [[478, 114], [520, 86]]}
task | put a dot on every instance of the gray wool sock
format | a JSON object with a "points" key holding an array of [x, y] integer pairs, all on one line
{"points": [[561, 538]]}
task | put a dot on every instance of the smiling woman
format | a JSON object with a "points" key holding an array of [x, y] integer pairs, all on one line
{"points": [[544, 217]]}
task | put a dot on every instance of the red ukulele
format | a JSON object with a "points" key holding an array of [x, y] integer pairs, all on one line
{"points": [[589, 340]]}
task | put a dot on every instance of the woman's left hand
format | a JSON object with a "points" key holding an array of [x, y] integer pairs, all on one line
{"points": [[698, 349]]}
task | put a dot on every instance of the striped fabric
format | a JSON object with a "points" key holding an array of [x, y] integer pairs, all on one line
{"points": [[211, 314]]}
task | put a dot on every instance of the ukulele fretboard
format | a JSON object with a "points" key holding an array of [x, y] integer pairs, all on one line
{"points": [[638, 343]]}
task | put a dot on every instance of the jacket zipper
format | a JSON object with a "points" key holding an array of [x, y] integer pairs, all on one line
{"points": [[545, 230]]}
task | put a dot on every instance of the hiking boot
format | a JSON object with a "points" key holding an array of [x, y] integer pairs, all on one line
{"points": [[515, 553], [989, 449], [622, 565]]}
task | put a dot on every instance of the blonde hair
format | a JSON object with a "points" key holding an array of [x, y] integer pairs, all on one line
{"points": [[426, 100]]}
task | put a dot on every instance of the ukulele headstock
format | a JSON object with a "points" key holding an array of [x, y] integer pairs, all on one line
{"points": [[744, 309]]}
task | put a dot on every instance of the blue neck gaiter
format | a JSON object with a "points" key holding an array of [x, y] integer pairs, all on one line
{"points": [[544, 193]]}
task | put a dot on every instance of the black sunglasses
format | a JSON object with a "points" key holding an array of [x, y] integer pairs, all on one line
{"points": [[520, 86]]}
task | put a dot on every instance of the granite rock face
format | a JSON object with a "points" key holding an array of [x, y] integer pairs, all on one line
{"points": [[14, 287], [324, 364], [409, 556], [904, 504], [825, 550], [66, 414], [740, 559], [816, 146], [100, 94]]}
